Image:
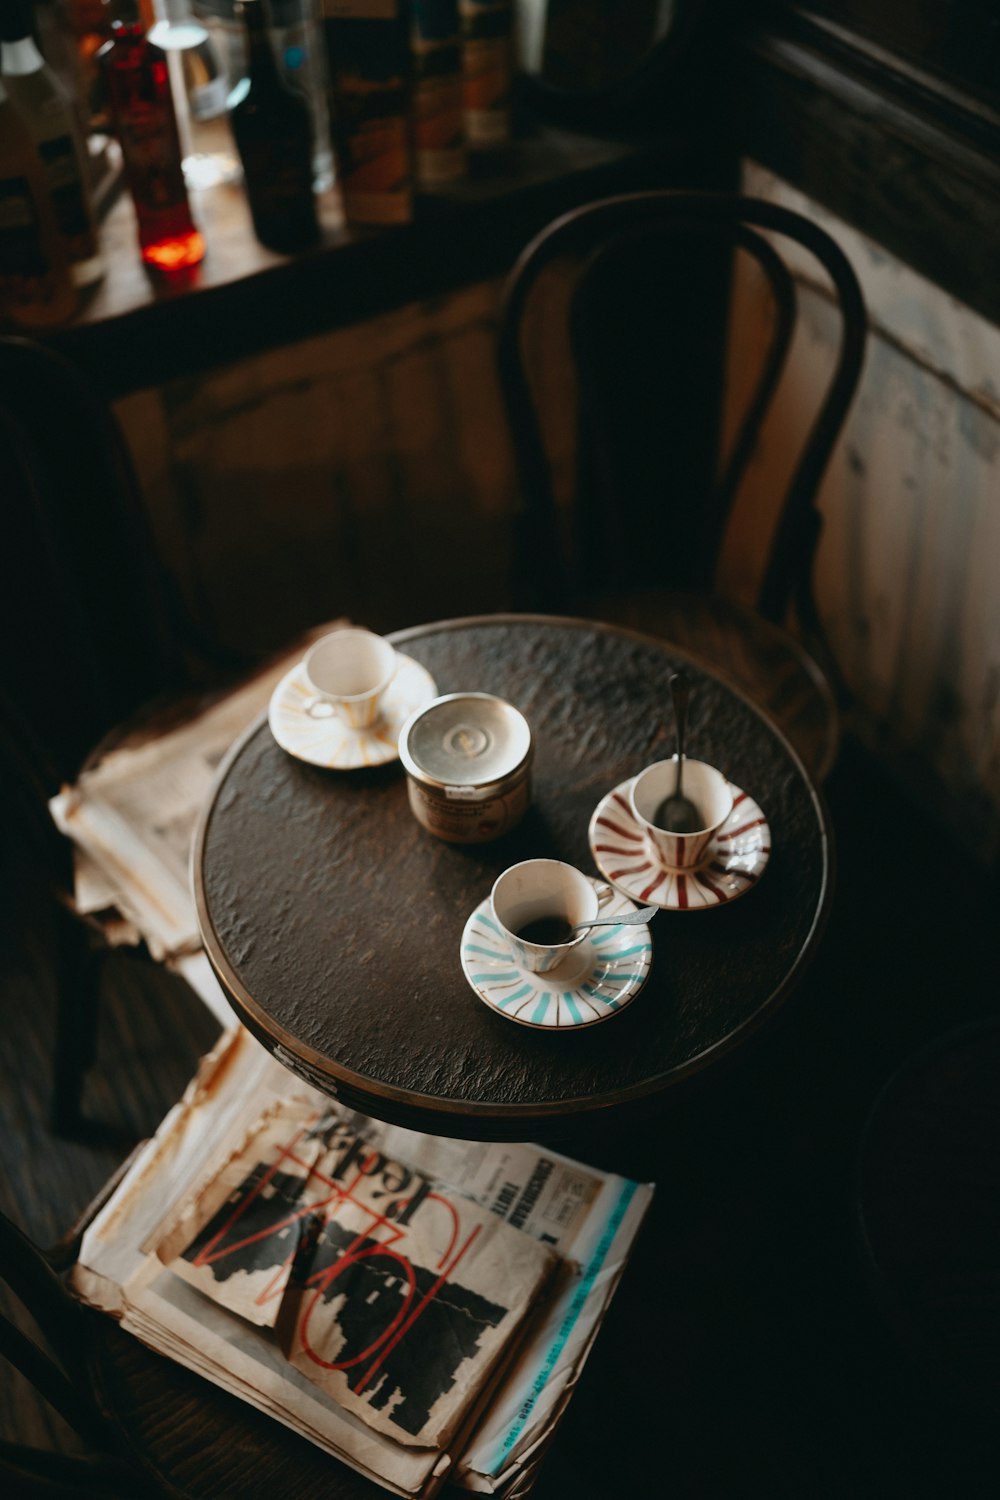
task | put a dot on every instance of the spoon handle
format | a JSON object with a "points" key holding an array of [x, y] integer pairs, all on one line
{"points": [[680, 692], [623, 919]]}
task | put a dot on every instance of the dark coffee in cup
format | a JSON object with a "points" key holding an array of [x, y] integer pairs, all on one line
{"points": [[548, 931]]}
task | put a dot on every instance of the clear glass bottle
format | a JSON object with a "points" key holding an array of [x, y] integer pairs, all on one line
{"points": [[272, 127], [44, 105], [200, 88], [36, 288], [141, 106]]}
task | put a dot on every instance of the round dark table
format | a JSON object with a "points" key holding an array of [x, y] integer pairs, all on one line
{"points": [[333, 919]]}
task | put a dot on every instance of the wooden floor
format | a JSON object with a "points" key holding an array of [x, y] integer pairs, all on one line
{"points": [[744, 1354]]}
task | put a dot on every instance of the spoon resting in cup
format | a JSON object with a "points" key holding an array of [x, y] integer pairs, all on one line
{"points": [[677, 813]]}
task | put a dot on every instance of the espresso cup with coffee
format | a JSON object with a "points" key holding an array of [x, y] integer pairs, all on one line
{"points": [[705, 786], [537, 904], [347, 673]]}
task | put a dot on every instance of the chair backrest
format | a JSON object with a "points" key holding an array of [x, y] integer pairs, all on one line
{"points": [[645, 317], [90, 629]]}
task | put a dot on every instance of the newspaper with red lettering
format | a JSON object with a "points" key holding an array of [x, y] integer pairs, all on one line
{"points": [[420, 1307]]}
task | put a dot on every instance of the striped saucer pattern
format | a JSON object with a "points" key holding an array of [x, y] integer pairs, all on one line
{"points": [[596, 981], [737, 856], [330, 741]]}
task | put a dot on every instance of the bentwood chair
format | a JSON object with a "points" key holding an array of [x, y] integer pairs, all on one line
{"points": [[628, 517]]}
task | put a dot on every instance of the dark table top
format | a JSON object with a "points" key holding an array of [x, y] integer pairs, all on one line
{"points": [[334, 920]]}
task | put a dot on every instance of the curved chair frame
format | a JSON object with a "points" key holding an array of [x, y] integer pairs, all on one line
{"points": [[597, 230]]}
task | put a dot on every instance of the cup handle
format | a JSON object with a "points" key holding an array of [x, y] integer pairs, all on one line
{"points": [[604, 894], [319, 708]]}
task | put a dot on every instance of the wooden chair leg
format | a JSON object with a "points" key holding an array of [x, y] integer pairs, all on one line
{"points": [[78, 973]]}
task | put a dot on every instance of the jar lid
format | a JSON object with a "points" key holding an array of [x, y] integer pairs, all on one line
{"points": [[464, 739]]}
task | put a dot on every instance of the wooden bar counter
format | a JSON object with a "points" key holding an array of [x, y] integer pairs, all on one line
{"points": [[138, 329]]}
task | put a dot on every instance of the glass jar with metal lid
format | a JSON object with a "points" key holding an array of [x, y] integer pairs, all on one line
{"points": [[468, 766]]}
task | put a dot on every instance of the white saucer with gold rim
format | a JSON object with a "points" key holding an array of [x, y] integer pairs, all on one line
{"points": [[315, 732]]}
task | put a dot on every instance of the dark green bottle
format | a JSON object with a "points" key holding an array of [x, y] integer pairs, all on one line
{"points": [[272, 128]]}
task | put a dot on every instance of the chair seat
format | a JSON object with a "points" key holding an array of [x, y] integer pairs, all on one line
{"points": [[765, 663]]}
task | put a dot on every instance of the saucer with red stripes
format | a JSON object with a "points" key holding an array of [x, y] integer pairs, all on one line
{"points": [[737, 856]]}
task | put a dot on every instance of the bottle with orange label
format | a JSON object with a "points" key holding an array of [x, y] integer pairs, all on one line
{"points": [[368, 54], [141, 107], [486, 69], [436, 92]]}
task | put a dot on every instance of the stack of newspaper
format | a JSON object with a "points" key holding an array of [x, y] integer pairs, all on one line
{"points": [[418, 1306], [131, 818]]}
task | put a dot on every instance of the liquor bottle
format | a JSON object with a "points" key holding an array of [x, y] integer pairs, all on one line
{"points": [[47, 110], [298, 46], [368, 57], [486, 64], [436, 94], [36, 287], [273, 131], [142, 115]]}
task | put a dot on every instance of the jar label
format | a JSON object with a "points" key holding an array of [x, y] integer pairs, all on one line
{"points": [[467, 821]]}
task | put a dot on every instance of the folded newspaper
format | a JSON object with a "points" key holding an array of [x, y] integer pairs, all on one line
{"points": [[132, 816], [418, 1306]]}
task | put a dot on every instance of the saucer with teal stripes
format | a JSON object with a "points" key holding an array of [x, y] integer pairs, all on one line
{"points": [[594, 982]]}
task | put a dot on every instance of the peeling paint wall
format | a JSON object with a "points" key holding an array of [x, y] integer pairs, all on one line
{"points": [[908, 572]]}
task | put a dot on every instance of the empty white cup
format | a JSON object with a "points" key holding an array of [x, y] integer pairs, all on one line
{"points": [[347, 673], [707, 788], [537, 890]]}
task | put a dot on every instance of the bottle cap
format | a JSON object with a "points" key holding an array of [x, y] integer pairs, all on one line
{"points": [[126, 11]]}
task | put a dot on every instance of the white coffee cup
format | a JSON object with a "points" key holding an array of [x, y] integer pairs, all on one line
{"points": [[706, 787], [542, 890], [347, 673]]}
